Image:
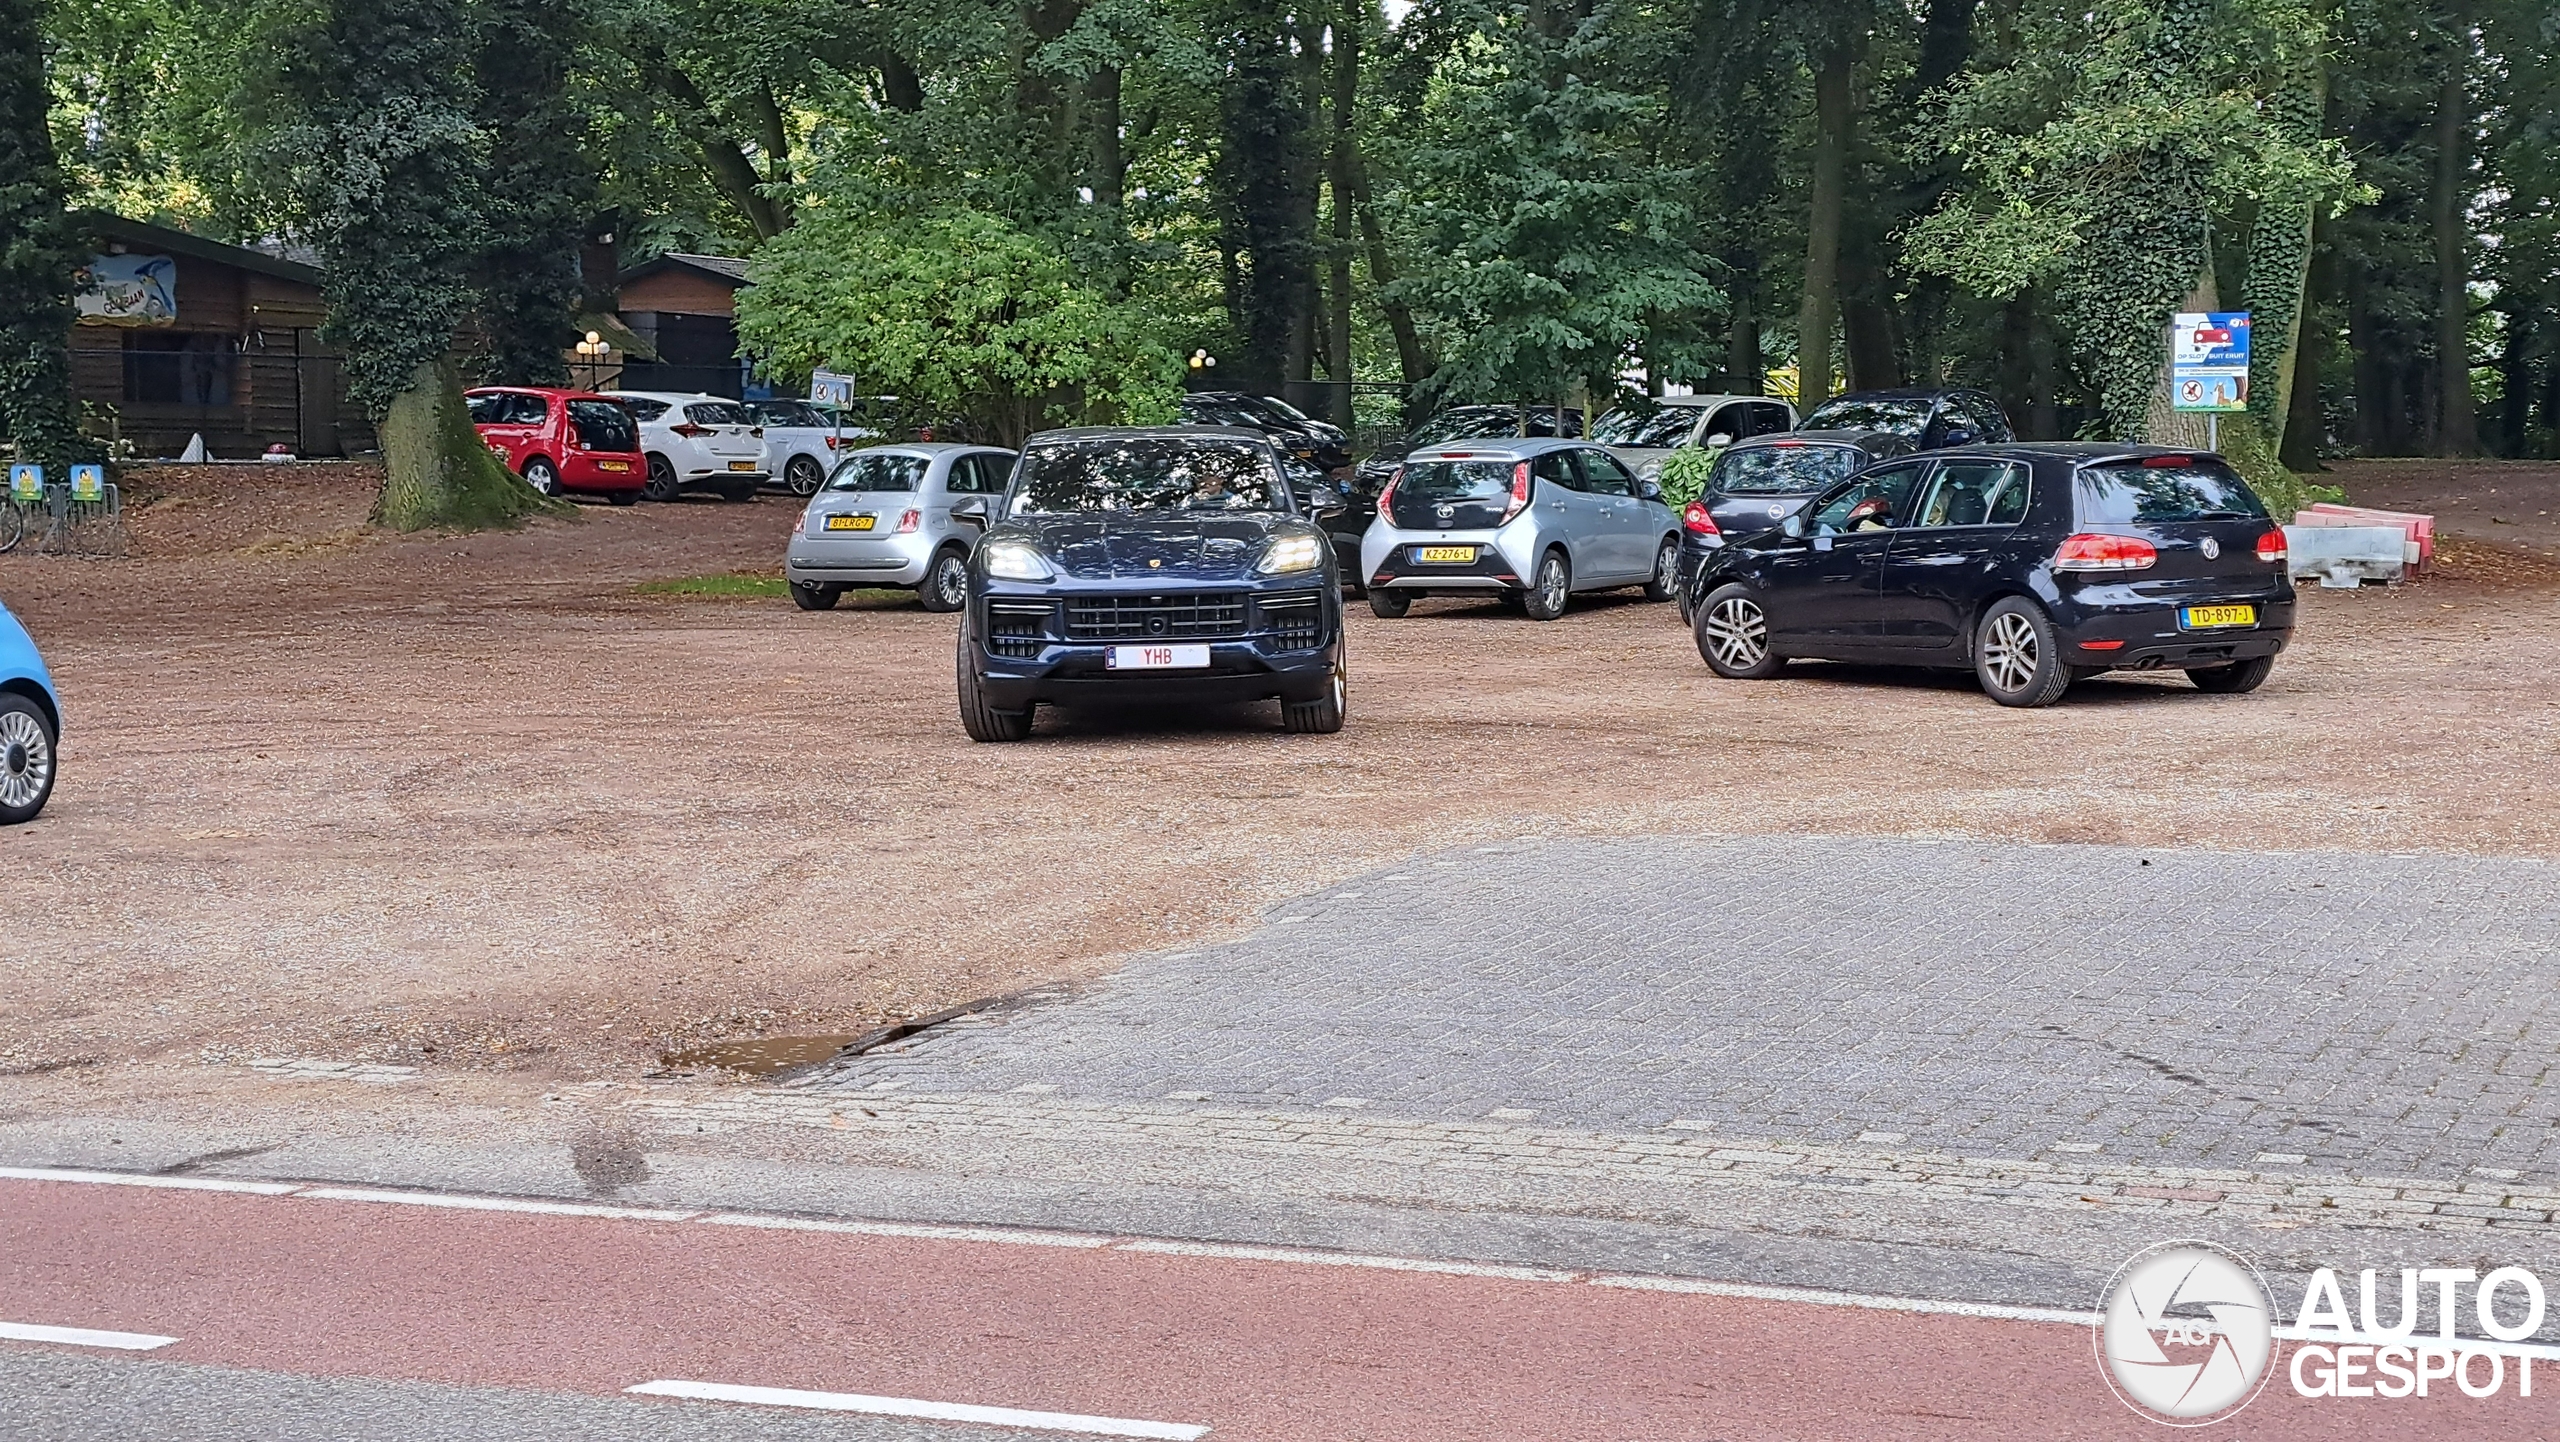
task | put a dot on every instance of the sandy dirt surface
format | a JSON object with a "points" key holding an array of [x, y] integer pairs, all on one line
{"points": [[477, 803]]}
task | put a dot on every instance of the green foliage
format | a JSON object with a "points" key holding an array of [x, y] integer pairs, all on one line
{"points": [[962, 316], [2100, 161], [1549, 240], [37, 254], [1684, 474], [537, 192], [388, 156]]}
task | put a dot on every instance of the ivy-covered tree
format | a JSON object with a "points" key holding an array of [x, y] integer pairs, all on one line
{"points": [[2101, 165], [538, 191], [38, 253], [389, 157], [960, 314]]}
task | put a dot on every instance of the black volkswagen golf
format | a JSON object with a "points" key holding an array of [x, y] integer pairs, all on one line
{"points": [[1150, 565], [2036, 565]]}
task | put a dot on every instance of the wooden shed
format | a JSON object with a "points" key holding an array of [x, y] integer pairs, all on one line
{"points": [[685, 307], [181, 336]]}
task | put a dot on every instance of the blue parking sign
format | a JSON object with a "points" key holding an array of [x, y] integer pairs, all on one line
{"points": [[26, 483], [2209, 361], [89, 483]]}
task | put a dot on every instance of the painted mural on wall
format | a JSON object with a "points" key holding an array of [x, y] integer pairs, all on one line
{"points": [[128, 290]]}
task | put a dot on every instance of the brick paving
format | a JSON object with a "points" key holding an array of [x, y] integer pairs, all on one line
{"points": [[2077, 1008]]}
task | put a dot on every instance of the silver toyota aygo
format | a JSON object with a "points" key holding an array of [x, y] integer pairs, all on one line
{"points": [[900, 517], [1532, 521]]}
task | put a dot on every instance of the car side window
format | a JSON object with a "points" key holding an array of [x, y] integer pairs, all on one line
{"points": [[1974, 493], [974, 475], [485, 410], [1603, 476], [1876, 501], [1984, 418], [1770, 420], [1556, 466], [1734, 421], [531, 410]]}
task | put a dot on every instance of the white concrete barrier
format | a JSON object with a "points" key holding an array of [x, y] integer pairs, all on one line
{"points": [[2347, 556]]}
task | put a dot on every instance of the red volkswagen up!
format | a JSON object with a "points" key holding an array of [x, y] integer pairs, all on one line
{"points": [[562, 440]]}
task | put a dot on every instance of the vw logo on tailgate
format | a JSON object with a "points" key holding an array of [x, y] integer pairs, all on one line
{"points": [[2211, 548]]}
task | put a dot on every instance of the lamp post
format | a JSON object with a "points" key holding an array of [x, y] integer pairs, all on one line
{"points": [[592, 353]]}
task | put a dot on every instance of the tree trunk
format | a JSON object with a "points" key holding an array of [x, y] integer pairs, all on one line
{"points": [[436, 471], [1110, 162], [1413, 364], [1742, 338], [2304, 427], [1346, 96], [1821, 306], [2456, 430], [2166, 425]]}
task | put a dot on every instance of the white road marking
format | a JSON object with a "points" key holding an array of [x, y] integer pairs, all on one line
{"points": [[83, 1337], [914, 1407], [496, 1204], [908, 1229], [1026, 1238], [1344, 1259], [1820, 1298], [134, 1179]]}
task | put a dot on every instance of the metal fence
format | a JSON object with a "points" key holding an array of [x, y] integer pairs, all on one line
{"points": [[59, 525]]}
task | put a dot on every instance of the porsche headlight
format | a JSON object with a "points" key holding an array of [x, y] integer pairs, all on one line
{"points": [[1017, 561], [1291, 554]]}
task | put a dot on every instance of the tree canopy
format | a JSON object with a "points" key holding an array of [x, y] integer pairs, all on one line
{"points": [[1466, 200]]}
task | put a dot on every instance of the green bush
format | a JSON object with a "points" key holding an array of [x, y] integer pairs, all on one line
{"points": [[1684, 474]]}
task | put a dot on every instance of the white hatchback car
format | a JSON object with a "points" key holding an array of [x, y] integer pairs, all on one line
{"points": [[803, 443], [697, 443]]}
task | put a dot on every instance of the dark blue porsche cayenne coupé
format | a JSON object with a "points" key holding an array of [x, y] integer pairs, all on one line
{"points": [[2035, 565], [1164, 565]]}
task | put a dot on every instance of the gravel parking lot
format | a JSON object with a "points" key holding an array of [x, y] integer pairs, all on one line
{"points": [[482, 802]]}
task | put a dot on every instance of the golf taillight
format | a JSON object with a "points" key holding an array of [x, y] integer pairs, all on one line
{"points": [[1698, 521], [2090, 551], [2271, 546], [1519, 491], [909, 521]]}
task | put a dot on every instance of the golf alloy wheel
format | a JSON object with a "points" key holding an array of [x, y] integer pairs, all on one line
{"points": [[2009, 651], [1738, 632]]}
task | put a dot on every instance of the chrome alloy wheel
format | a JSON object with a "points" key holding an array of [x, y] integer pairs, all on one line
{"points": [[26, 759], [2009, 653], [1739, 632], [950, 580], [1551, 583]]}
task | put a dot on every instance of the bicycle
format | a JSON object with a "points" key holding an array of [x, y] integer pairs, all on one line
{"points": [[13, 524]]}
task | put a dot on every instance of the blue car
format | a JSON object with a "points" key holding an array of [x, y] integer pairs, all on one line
{"points": [[30, 723], [1154, 566]]}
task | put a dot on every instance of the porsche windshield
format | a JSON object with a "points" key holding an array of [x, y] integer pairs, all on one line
{"points": [[1148, 473]]}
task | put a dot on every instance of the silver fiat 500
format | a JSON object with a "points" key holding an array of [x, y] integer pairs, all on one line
{"points": [[1532, 521], [902, 517]]}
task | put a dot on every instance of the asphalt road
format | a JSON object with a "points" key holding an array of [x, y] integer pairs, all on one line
{"points": [[307, 1316]]}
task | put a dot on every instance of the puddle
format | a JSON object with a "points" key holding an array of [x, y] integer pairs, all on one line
{"points": [[760, 1056]]}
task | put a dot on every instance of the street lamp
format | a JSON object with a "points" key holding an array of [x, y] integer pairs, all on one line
{"points": [[1201, 364], [592, 353]]}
